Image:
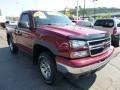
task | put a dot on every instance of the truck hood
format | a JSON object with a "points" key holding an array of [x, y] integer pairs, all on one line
{"points": [[76, 32]]}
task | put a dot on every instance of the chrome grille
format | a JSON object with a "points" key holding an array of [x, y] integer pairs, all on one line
{"points": [[97, 47]]}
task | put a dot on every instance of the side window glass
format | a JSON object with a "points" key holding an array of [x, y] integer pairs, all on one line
{"points": [[24, 21], [118, 23]]}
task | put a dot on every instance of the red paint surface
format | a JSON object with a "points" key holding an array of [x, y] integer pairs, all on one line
{"points": [[77, 63]]}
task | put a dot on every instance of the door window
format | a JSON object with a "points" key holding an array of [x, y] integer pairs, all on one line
{"points": [[118, 23], [25, 21]]}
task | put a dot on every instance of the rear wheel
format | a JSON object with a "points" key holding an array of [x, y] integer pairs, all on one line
{"points": [[13, 47], [47, 67]]}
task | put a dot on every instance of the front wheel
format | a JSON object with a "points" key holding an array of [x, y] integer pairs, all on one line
{"points": [[47, 67]]}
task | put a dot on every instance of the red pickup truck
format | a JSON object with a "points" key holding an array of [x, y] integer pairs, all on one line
{"points": [[57, 44]]}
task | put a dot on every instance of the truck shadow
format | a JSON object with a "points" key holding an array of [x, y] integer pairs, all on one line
{"points": [[83, 82], [19, 65]]}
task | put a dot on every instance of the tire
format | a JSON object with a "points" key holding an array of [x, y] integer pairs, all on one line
{"points": [[47, 67], [13, 47], [117, 43]]}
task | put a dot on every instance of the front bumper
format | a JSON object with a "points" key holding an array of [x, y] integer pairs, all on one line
{"points": [[70, 68]]}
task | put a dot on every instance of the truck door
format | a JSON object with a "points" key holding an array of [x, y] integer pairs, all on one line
{"points": [[23, 33]]}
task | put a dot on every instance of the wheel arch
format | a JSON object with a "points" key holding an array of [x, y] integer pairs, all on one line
{"points": [[41, 46]]}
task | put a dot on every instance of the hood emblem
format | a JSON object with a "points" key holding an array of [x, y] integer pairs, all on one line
{"points": [[104, 45]]}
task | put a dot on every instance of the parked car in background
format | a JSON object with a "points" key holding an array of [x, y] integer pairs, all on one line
{"points": [[85, 23], [11, 25], [82, 23], [14, 23], [75, 21], [2, 21], [112, 26]]}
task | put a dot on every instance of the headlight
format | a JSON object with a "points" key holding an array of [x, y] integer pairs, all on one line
{"points": [[78, 44], [79, 49], [79, 54]]}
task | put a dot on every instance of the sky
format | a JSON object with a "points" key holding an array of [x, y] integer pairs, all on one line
{"points": [[15, 7]]}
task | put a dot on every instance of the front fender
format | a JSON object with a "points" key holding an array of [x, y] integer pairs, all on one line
{"points": [[47, 45]]}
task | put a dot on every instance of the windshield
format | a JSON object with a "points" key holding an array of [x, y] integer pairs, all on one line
{"points": [[50, 18]]}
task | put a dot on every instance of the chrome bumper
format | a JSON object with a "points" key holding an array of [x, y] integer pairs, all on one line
{"points": [[67, 69]]}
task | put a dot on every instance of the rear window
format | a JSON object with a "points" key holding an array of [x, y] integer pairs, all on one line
{"points": [[104, 23]]}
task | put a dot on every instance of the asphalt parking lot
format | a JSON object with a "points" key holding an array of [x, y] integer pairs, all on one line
{"points": [[18, 73]]}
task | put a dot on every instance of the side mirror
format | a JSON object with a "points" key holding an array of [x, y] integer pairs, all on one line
{"points": [[23, 25]]}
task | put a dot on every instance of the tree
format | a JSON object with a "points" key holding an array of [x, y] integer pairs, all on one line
{"points": [[68, 12], [108, 15]]}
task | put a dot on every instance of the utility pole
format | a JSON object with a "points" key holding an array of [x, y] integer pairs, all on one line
{"points": [[84, 11], [94, 8], [77, 10]]}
